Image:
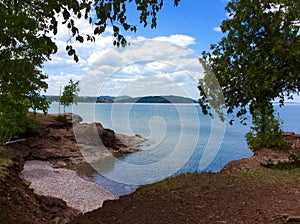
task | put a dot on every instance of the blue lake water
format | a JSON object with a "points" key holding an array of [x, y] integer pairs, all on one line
{"points": [[179, 137]]}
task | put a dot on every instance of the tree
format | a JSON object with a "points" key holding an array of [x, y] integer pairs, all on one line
{"points": [[27, 28], [22, 52], [257, 62], [69, 94]]}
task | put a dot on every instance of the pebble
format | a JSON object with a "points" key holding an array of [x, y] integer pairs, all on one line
{"points": [[65, 184]]}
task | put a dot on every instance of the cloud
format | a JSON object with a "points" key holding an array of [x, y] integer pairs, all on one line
{"points": [[177, 39], [55, 82], [100, 61], [132, 70], [156, 66], [144, 68], [217, 29]]}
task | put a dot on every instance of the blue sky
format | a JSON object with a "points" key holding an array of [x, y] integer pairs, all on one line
{"points": [[195, 18], [160, 61]]}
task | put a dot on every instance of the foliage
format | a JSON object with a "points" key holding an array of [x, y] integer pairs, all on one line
{"points": [[27, 28], [69, 94], [13, 119], [99, 13], [270, 137], [61, 118], [257, 61], [22, 52]]}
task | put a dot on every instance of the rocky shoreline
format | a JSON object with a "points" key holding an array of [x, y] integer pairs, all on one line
{"points": [[62, 143], [48, 160], [266, 157], [56, 148]]}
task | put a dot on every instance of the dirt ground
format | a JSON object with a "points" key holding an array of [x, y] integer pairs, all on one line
{"points": [[260, 196], [257, 196]]}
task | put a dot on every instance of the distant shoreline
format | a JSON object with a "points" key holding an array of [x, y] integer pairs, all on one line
{"points": [[170, 99]]}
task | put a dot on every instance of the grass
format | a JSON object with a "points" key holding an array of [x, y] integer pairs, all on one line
{"points": [[210, 180], [4, 163]]}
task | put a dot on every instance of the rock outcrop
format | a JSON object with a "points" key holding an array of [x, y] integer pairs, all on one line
{"points": [[293, 139], [62, 142], [267, 157]]}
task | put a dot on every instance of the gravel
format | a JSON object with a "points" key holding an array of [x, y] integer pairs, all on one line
{"points": [[65, 184]]}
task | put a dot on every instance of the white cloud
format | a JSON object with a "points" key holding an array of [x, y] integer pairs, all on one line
{"points": [[217, 29], [156, 66], [177, 39], [55, 82], [144, 68], [100, 61], [131, 70]]}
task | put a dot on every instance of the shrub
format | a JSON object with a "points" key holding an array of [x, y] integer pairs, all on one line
{"points": [[266, 132], [61, 118]]}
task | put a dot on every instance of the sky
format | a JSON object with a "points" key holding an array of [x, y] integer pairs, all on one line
{"points": [[160, 61]]}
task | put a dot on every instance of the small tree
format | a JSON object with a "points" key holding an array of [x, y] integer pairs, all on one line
{"points": [[69, 94]]}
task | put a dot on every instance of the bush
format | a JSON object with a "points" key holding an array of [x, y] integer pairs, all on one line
{"points": [[13, 119], [266, 132], [61, 118], [14, 124]]}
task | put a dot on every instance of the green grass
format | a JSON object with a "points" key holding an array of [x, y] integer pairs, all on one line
{"points": [[4, 161]]}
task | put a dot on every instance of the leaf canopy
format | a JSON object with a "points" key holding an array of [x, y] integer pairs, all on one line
{"points": [[258, 60]]}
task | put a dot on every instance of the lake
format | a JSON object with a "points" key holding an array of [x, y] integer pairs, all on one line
{"points": [[180, 139]]}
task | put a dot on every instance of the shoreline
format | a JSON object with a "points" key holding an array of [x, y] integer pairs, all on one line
{"points": [[62, 156], [49, 159]]}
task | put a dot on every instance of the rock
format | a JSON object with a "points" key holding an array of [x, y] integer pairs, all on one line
{"points": [[241, 164], [58, 141], [73, 118], [95, 135], [293, 139], [288, 133], [292, 219], [57, 134], [268, 157]]}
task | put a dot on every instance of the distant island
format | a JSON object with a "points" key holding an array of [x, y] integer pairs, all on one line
{"points": [[128, 99], [145, 99]]}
